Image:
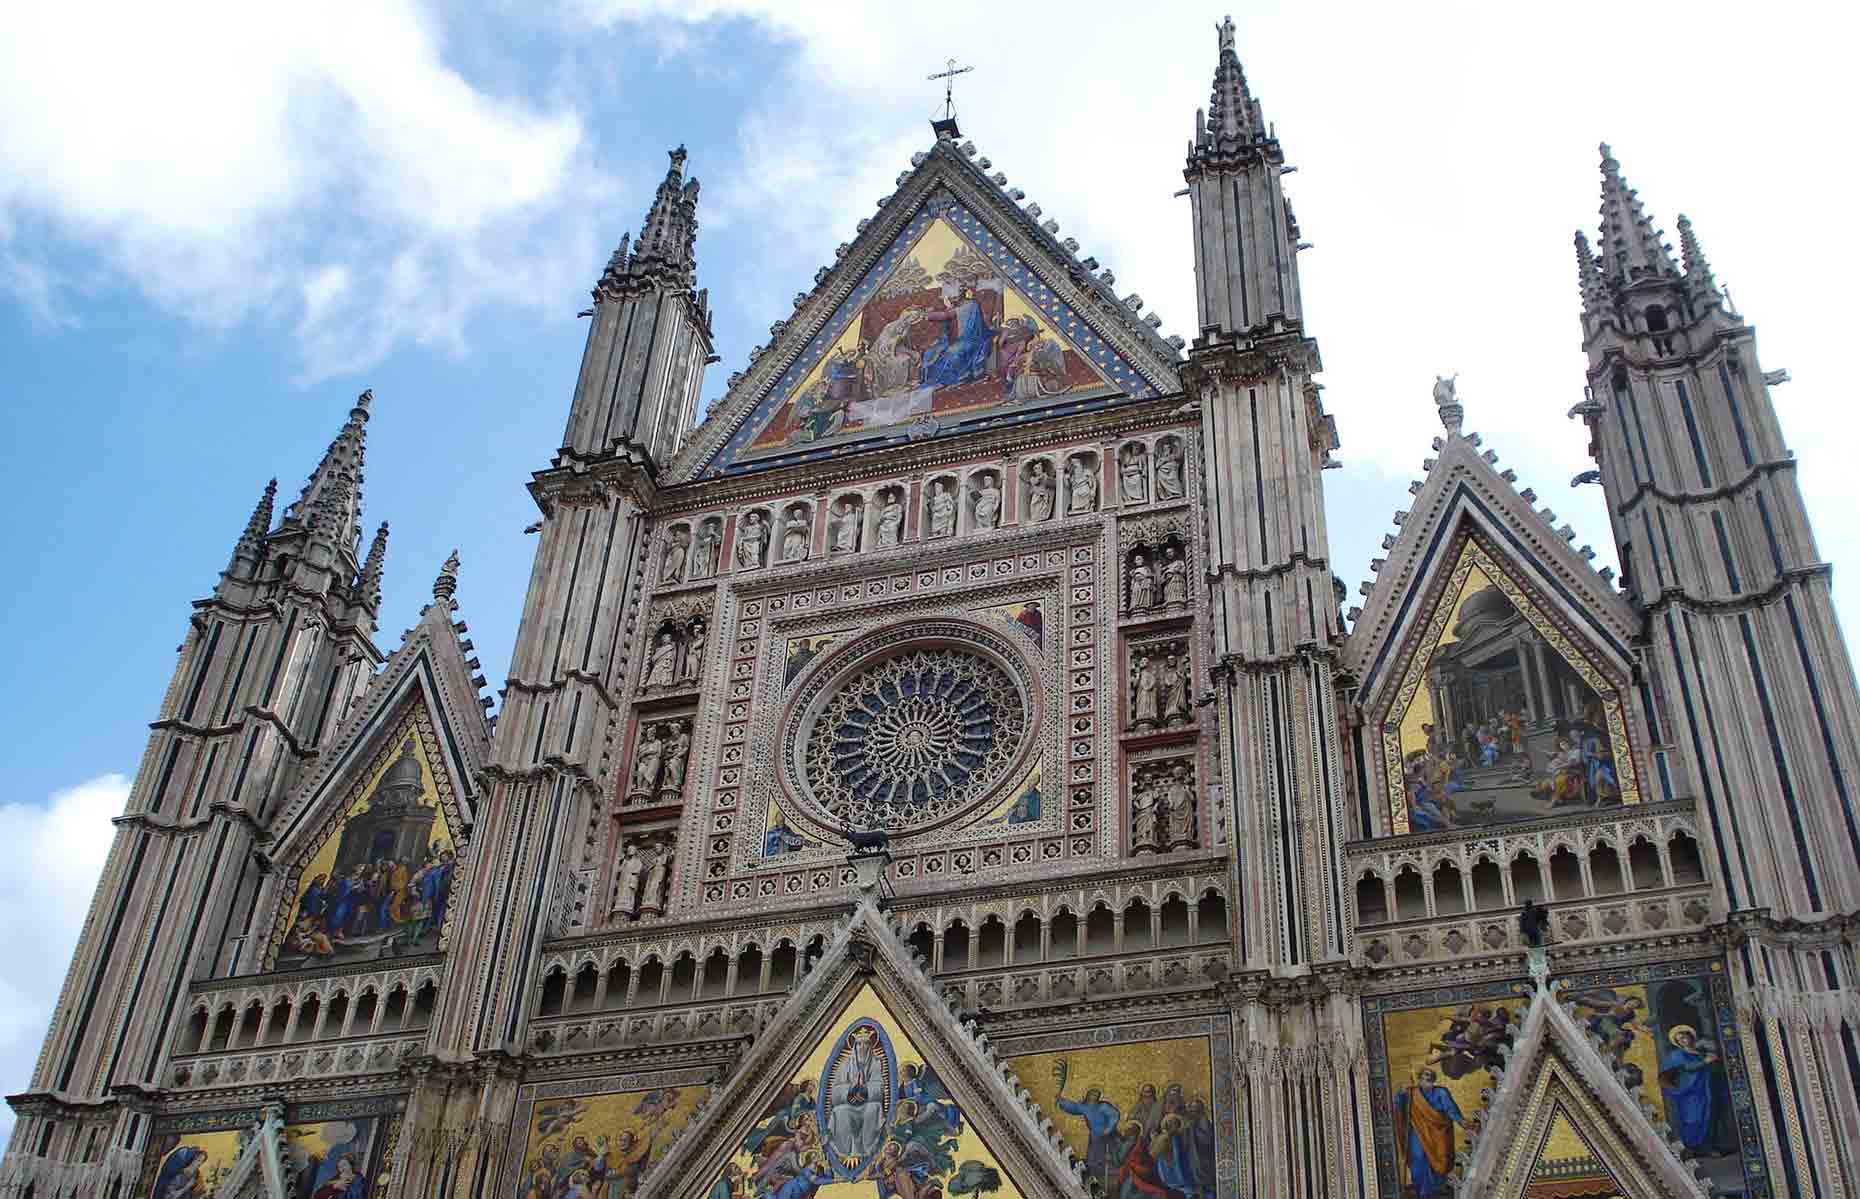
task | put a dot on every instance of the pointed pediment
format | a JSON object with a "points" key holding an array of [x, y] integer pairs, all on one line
{"points": [[368, 845], [1492, 662], [953, 310], [867, 1080], [1561, 1125]]}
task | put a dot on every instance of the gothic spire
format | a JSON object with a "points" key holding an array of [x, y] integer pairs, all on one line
{"points": [[1631, 247], [667, 245], [1699, 278], [251, 544], [1233, 117], [447, 584], [331, 504], [368, 582], [1588, 276]]}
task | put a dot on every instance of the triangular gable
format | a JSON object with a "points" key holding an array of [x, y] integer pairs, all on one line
{"points": [[1010, 326], [1560, 1117], [867, 1073], [392, 795], [1479, 592]]}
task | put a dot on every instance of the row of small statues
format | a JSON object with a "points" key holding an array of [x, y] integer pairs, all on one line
{"points": [[675, 659], [643, 877], [1162, 809], [689, 558], [1159, 694], [659, 761], [1144, 590]]}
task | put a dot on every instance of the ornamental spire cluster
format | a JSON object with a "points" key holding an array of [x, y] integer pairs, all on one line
{"points": [[1233, 117], [667, 245], [330, 507], [1631, 247]]}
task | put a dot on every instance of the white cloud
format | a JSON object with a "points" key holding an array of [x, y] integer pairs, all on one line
{"points": [[56, 852], [213, 153]]}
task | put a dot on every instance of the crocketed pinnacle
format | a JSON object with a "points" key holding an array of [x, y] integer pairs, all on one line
{"points": [[259, 525], [1233, 117], [1588, 276], [667, 245], [1698, 271], [368, 582], [447, 584], [1631, 248], [331, 504]]}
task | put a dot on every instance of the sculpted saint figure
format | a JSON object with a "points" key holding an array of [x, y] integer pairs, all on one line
{"points": [[1168, 471], [942, 510], [1183, 699], [751, 533], [1181, 816], [891, 520], [1144, 693], [677, 748], [845, 528], [1081, 488], [672, 568], [1132, 479], [694, 653], [704, 552], [652, 887], [1145, 819], [661, 666], [647, 760], [794, 537], [627, 873], [1142, 583], [1040, 491], [987, 504], [1175, 578], [1169, 689]]}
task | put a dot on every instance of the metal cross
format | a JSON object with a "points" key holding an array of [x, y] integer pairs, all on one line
{"points": [[949, 86]]}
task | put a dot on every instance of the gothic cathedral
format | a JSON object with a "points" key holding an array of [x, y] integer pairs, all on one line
{"points": [[947, 770]]}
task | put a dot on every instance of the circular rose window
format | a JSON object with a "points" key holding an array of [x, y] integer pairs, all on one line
{"points": [[908, 739]]}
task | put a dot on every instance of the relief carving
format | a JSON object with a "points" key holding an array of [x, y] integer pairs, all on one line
{"points": [[1162, 807], [1081, 484], [643, 875]]}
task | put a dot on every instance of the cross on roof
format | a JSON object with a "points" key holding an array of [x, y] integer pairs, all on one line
{"points": [[949, 87]]}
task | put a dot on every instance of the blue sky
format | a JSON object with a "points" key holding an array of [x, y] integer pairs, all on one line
{"points": [[217, 227]]}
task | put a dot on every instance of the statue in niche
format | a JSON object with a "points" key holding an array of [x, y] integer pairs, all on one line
{"points": [[1174, 577], [694, 653], [654, 884], [1081, 488], [1168, 471], [677, 749], [1174, 689], [1040, 491], [845, 527], [891, 519], [942, 510], [662, 664], [672, 568], [1145, 693], [1146, 819], [647, 761], [795, 535], [1180, 820], [1133, 482], [1142, 583], [629, 871], [751, 534], [987, 503], [704, 551]]}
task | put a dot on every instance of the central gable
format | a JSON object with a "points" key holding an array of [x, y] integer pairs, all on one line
{"points": [[953, 310]]}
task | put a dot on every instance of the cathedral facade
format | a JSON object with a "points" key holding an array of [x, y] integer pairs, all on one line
{"points": [[948, 769]]}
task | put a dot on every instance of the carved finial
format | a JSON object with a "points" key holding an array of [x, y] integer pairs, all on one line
{"points": [[447, 584], [368, 583], [1446, 397]]}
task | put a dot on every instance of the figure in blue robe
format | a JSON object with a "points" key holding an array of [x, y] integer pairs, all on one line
{"points": [[341, 906], [1686, 1081], [1426, 1114], [176, 1181], [1103, 1146], [315, 903], [961, 354], [926, 1090], [804, 1184]]}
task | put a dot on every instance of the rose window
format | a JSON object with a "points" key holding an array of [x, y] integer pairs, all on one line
{"points": [[913, 739]]}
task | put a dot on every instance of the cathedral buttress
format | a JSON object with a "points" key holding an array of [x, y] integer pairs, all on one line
{"points": [[271, 661], [1718, 555]]}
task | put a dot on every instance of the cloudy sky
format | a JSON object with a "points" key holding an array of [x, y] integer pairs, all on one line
{"points": [[219, 222]]}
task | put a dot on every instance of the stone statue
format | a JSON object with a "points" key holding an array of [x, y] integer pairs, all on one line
{"points": [[751, 535], [1040, 491], [662, 665], [845, 527], [1081, 488], [794, 536], [1181, 814], [891, 520], [704, 551], [1145, 819], [677, 749], [1142, 583], [1174, 577], [653, 886], [647, 760], [1170, 690], [1168, 471], [694, 653], [1133, 482], [942, 510], [1144, 694], [672, 568], [628, 870], [1447, 399], [987, 504]]}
